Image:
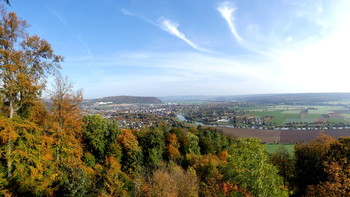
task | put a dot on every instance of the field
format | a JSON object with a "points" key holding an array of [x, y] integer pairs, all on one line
{"points": [[273, 148], [283, 136], [269, 136], [293, 114]]}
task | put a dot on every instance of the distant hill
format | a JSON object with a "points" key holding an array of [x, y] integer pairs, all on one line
{"points": [[289, 99], [125, 100]]}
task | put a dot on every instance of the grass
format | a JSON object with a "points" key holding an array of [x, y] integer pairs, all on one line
{"points": [[273, 148]]}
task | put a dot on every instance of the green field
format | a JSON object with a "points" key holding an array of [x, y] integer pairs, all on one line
{"points": [[273, 148], [282, 114]]}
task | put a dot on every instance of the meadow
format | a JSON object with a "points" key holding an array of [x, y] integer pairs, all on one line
{"points": [[273, 148]]}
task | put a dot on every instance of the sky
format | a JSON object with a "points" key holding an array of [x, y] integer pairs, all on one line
{"points": [[196, 47]]}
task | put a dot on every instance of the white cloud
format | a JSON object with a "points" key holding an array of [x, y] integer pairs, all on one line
{"points": [[172, 28], [168, 26], [226, 10], [312, 64]]}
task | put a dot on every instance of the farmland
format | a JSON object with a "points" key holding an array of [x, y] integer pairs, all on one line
{"points": [[283, 136], [317, 115]]}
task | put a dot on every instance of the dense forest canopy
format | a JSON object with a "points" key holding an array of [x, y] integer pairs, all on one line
{"points": [[52, 150]]}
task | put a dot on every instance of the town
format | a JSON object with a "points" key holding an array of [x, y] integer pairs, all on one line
{"points": [[224, 114]]}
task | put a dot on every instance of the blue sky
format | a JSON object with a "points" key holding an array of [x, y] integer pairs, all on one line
{"points": [[196, 47]]}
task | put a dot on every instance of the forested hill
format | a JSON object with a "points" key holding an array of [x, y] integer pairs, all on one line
{"points": [[126, 100]]}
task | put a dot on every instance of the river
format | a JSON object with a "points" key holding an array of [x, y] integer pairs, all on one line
{"points": [[181, 117]]}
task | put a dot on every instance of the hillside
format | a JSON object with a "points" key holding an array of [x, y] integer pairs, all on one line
{"points": [[125, 100]]}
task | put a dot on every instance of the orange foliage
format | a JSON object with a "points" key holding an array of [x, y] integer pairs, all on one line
{"points": [[338, 183], [128, 140], [223, 155], [67, 121], [172, 148], [231, 189]]}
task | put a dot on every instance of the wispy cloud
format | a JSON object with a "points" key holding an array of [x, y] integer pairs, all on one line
{"points": [[130, 13], [227, 10], [84, 45], [172, 28], [168, 26], [127, 12], [58, 16]]}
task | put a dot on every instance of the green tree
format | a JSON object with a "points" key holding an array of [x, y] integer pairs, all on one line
{"points": [[152, 143], [100, 135], [285, 165], [211, 141], [190, 144], [249, 167]]}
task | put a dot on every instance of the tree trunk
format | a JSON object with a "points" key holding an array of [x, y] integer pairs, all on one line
{"points": [[9, 162], [11, 108], [9, 144]]}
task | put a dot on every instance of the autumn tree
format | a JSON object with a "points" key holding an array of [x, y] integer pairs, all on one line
{"points": [[32, 169], [172, 181], [207, 168], [66, 130], [67, 121], [172, 148], [115, 182], [132, 153], [337, 171], [25, 63], [310, 158], [337, 183]]}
